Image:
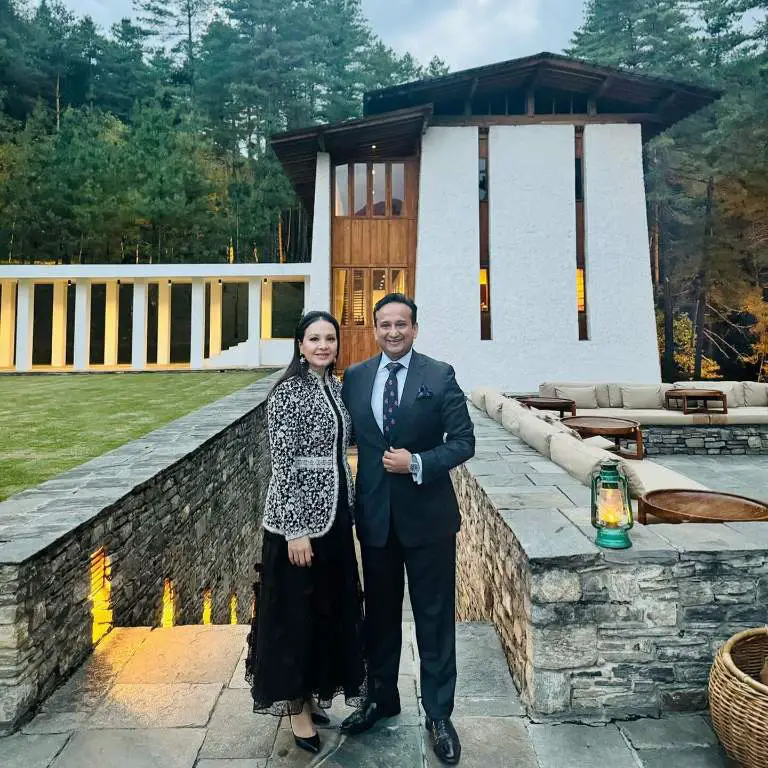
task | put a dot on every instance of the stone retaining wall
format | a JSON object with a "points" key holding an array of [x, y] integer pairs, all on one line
{"points": [[736, 439], [592, 634], [182, 503]]}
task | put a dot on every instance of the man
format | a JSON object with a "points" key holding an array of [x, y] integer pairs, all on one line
{"points": [[412, 427]]}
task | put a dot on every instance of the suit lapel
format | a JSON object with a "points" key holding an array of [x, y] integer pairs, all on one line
{"points": [[413, 381], [366, 392]]}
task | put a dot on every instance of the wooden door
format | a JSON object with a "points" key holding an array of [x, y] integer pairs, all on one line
{"points": [[373, 249]]}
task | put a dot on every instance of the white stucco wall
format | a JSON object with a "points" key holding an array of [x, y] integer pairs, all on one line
{"points": [[319, 292], [448, 250], [532, 240]]}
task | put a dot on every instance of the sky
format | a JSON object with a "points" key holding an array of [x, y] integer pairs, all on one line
{"points": [[464, 33]]}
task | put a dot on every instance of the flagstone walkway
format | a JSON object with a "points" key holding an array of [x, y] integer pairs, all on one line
{"points": [[177, 698]]}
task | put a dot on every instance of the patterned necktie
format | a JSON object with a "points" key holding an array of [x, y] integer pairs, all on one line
{"points": [[390, 399]]}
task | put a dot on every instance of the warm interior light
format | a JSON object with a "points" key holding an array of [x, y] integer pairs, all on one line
{"points": [[207, 606], [100, 595], [169, 605], [483, 276], [233, 609], [580, 300]]}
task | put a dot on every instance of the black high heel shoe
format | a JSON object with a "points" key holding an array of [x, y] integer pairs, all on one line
{"points": [[307, 743], [320, 718]]}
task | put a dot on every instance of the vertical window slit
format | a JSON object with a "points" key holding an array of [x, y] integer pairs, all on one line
{"points": [[581, 270], [485, 270]]}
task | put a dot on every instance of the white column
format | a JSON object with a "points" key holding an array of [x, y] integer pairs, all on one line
{"points": [[214, 337], [7, 323], [164, 322], [25, 315], [111, 322], [59, 325], [319, 293], [253, 353], [82, 351], [139, 326], [266, 309], [197, 334]]}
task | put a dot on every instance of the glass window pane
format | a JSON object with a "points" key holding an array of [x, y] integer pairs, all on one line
{"points": [[287, 306], [340, 303], [398, 281], [378, 285], [342, 190], [581, 303], [359, 304], [398, 189], [379, 189], [361, 189]]}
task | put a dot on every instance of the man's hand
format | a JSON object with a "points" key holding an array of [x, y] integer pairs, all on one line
{"points": [[300, 552], [397, 461]]}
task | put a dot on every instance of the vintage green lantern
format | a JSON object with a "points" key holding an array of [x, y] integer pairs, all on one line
{"points": [[611, 507]]}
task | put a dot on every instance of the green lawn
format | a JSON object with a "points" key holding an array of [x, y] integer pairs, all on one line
{"points": [[49, 424]]}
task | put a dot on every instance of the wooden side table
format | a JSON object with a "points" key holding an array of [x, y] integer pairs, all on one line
{"points": [[704, 396], [605, 426], [561, 404]]}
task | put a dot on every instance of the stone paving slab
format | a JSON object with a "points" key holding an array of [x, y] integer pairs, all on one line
{"points": [[156, 705], [579, 746], [674, 732], [236, 732], [172, 748], [235, 763], [20, 751], [174, 655], [712, 757]]}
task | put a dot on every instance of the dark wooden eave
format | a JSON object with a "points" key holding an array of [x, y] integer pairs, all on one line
{"points": [[395, 134], [668, 99]]}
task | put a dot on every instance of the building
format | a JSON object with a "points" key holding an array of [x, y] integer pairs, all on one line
{"points": [[509, 200]]}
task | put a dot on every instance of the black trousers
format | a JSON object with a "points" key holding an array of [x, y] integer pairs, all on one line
{"points": [[431, 570]]}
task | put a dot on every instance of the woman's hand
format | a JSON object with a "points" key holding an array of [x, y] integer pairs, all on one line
{"points": [[300, 552]]}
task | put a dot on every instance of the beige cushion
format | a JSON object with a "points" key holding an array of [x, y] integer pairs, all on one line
{"points": [[547, 389], [554, 420], [649, 415], [734, 390], [576, 457], [642, 397], [747, 415], [511, 412], [755, 393], [614, 391], [599, 442], [494, 401], [645, 476], [584, 397], [477, 397], [536, 433]]}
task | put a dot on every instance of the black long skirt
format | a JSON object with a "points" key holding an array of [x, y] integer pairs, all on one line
{"points": [[306, 639]]}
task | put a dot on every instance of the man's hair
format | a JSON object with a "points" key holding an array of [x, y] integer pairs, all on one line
{"points": [[395, 298]]}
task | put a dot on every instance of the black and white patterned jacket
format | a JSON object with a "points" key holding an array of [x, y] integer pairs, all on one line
{"points": [[304, 487]]}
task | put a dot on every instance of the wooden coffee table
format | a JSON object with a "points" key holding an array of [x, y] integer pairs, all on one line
{"points": [[691, 506], [591, 426], [704, 396], [561, 404]]}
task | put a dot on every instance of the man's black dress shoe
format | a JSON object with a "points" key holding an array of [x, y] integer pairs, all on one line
{"points": [[366, 715], [445, 740]]}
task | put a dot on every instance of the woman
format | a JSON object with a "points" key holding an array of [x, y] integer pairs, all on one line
{"points": [[305, 645]]}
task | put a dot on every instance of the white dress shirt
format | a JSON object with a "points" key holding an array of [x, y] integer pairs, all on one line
{"points": [[377, 396]]}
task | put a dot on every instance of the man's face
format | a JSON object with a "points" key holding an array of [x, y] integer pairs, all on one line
{"points": [[394, 330]]}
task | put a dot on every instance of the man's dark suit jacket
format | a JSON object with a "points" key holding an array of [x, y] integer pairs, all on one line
{"points": [[433, 421]]}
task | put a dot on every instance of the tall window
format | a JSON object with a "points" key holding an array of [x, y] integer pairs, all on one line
{"points": [[485, 267], [355, 291], [371, 190], [581, 289]]}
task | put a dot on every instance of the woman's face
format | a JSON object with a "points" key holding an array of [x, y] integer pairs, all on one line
{"points": [[320, 345]]}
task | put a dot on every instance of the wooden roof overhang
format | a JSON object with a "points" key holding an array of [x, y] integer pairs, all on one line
{"points": [[656, 97], [395, 134]]}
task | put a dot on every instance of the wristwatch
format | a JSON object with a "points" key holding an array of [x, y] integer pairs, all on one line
{"points": [[413, 467]]}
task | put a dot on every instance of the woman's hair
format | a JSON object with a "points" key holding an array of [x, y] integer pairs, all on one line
{"points": [[296, 367]]}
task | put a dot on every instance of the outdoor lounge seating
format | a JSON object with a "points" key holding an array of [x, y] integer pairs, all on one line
{"points": [[565, 448]]}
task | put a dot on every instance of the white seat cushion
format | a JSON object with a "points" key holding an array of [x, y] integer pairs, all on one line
{"points": [[547, 389], [755, 393], [645, 476], [576, 457], [477, 397], [494, 401], [511, 412], [583, 397], [536, 432], [643, 397]]}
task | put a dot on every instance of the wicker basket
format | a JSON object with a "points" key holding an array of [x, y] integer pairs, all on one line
{"points": [[738, 703]]}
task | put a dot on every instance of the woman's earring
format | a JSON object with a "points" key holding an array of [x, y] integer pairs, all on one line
{"points": [[302, 360]]}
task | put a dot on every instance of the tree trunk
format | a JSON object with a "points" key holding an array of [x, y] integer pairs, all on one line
{"points": [[701, 299], [669, 337], [58, 102]]}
